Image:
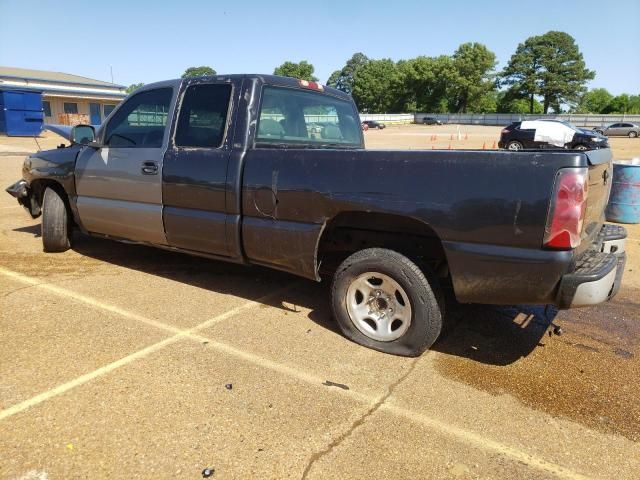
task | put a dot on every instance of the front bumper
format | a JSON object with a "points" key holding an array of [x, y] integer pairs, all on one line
{"points": [[19, 190], [597, 275], [23, 193]]}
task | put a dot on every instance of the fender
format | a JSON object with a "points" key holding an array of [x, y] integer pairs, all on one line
{"points": [[43, 168]]}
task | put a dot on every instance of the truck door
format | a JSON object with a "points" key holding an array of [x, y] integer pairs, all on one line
{"points": [[195, 168], [119, 185]]}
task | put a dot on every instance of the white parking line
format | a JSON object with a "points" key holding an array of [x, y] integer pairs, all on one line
{"points": [[463, 435], [187, 333], [481, 442]]}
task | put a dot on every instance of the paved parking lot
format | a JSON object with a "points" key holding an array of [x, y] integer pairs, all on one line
{"points": [[121, 361]]}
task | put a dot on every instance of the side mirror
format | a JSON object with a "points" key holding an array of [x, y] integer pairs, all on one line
{"points": [[83, 134]]}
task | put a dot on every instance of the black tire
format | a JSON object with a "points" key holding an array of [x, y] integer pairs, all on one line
{"points": [[424, 296], [600, 132], [633, 134], [515, 145], [581, 147], [55, 222]]}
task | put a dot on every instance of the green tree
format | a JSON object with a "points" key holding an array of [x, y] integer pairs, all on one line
{"points": [[634, 104], [377, 87], [594, 101], [474, 64], [133, 87], [198, 72], [487, 103], [507, 103], [303, 70], [343, 79], [426, 83], [619, 104], [550, 66]]}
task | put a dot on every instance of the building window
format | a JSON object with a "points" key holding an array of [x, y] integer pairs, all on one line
{"points": [[46, 106], [107, 109], [70, 107]]}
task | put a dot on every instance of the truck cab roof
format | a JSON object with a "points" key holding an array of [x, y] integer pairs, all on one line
{"points": [[264, 79]]}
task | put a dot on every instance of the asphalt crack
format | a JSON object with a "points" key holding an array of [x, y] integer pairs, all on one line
{"points": [[354, 426]]}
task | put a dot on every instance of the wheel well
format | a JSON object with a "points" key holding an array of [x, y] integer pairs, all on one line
{"points": [[350, 232], [37, 194]]}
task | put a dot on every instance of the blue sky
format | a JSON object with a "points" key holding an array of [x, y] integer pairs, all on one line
{"points": [[146, 41]]}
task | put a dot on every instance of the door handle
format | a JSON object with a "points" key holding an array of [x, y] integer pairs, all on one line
{"points": [[149, 168]]}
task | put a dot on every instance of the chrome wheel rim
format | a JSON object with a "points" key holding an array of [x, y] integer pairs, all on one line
{"points": [[581, 147], [514, 146], [378, 306]]}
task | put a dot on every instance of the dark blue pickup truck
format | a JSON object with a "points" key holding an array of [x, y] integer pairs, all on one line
{"points": [[272, 171]]}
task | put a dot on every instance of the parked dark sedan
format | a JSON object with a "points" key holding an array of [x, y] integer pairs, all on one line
{"points": [[431, 121], [374, 124], [514, 137]]}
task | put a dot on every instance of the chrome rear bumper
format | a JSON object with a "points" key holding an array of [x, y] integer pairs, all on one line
{"points": [[597, 275]]}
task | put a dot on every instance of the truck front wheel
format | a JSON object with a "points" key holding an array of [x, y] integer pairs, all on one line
{"points": [[55, 222], [382, 300]]}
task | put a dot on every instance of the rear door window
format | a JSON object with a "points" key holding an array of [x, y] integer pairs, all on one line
{"points": [[297, 117], [203, 116], [141, 121]]}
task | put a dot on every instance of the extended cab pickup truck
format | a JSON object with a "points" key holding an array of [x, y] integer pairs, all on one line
{"points": [[272, 171]]}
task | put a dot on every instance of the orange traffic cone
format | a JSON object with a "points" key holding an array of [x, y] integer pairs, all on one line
{"points": [[484, 145], [433, 147], [466, 136], [494, 145], [449, 146]]}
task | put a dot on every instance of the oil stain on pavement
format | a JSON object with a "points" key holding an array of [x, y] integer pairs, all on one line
{"points": [[589, 374]]}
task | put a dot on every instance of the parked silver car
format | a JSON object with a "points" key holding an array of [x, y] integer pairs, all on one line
{"points": [[630, 130]]}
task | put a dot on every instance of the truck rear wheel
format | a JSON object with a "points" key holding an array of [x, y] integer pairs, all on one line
{"points": [[382, 300], [55, 223]]}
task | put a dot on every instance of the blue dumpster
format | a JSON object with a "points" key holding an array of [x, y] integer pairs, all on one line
{"points": [[21, 112], [624, 202]]}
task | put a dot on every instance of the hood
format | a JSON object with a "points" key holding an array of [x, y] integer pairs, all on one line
{"points": [[62, 130], [590, 133]]}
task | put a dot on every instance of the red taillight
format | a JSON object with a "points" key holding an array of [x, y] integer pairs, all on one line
{"points": [[568, 206], [311, 85]]}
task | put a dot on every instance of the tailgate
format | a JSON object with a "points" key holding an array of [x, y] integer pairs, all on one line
{"points": [[600, 179]]}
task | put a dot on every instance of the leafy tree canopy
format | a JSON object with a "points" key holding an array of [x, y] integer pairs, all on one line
{"points": [[198, 72], [133, 87], [550, 66], [303, 70], [473, 64], [594, 101], [343, 79], [377, 87]]}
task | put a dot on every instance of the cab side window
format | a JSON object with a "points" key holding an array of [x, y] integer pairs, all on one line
{"points": [[298, 117], [203, 116], [140, 122]]}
